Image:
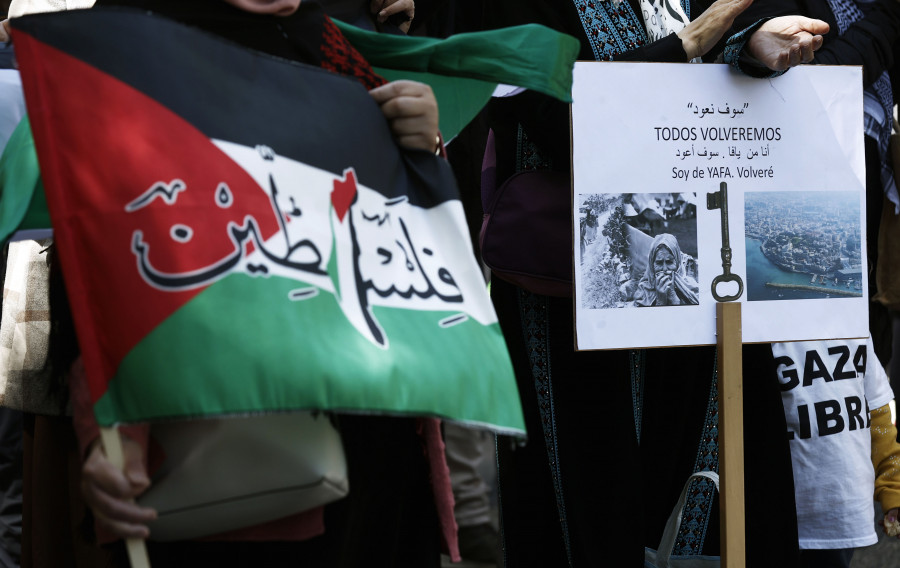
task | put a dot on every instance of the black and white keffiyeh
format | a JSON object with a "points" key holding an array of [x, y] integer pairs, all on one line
{"points": [[878, 100]]}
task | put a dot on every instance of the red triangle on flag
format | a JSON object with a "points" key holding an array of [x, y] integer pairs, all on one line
{"points": [[102, 145]]}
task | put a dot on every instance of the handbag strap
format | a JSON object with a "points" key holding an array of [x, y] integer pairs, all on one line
{"points": [[636, 358], [534, 313], [689, 539], [695, 514], [667, 542]]}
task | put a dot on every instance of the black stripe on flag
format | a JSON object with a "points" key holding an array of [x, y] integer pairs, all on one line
{"points": [[235, 94]]}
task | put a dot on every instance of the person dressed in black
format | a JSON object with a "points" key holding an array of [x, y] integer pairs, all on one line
{"points": [[614, 435], [390, 516]]}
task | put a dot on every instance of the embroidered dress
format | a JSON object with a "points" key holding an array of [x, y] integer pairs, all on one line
{"points": [[613, 435]]}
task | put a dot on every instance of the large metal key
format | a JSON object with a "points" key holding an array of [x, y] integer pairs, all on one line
{"points": [[719, 200]]}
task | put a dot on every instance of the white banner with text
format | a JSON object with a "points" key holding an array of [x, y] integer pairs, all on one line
{"points": [[661, 152]]}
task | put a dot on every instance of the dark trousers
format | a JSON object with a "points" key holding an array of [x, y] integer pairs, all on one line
{"points": [[10, 487], [838, 558]]}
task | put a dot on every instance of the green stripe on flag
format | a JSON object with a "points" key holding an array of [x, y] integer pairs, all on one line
{"points": [[22, 201], [531, 56], [199, 362]]}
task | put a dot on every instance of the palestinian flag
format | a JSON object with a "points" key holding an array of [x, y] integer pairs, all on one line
{"points": [[241, 234], [463, 70]]}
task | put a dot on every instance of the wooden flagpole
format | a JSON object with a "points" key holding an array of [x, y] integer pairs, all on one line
{"points": [[731, 434], [112, 446]]}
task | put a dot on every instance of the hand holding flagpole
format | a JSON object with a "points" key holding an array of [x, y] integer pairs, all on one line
{"points": [[112, 446]]}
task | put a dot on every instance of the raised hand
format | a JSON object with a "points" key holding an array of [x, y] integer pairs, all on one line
{"points": [[412, 112], [699, 36], [384, 9], [787, 41]]}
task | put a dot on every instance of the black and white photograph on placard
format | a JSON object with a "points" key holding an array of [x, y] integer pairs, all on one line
{"points": [[638, 250]]}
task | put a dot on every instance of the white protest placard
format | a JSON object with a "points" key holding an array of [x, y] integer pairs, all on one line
{"points": [[652, 140]]}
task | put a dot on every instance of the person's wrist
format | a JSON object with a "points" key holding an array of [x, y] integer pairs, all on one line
{"points": [[690, 45]]}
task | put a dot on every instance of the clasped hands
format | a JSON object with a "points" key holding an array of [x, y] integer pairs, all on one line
{"points": [[780, 43]]}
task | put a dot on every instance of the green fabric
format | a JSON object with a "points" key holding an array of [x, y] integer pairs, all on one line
{"points": [[459, 99], [463, 70], [311, 370], [22, 201], [530, 56]]}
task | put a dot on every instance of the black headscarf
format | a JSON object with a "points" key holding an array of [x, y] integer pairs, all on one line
{"points": [[307, 35]]}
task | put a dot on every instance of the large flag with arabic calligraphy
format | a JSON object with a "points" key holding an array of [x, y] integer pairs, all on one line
{"points": [[240, 234]]}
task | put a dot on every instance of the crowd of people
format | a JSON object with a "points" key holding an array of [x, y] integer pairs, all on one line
{"points": [[613, 435]]}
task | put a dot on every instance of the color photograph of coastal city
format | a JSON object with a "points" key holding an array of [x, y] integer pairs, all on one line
{"points": [[803, 245]]}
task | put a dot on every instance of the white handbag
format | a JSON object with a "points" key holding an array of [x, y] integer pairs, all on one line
{"points": [[228, 473], [662, 557]]}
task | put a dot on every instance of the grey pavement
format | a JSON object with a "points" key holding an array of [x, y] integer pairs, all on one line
{"points": [[884, 554]]}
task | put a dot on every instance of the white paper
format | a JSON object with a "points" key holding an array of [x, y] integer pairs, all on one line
{"points": [[654, 139]]}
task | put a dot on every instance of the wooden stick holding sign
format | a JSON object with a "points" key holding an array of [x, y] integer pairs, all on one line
{"points": [[731, 434], [729, 344], [112, 446]]}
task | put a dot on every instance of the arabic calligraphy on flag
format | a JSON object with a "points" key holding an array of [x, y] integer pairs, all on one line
{"points": [[286, 256]]}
